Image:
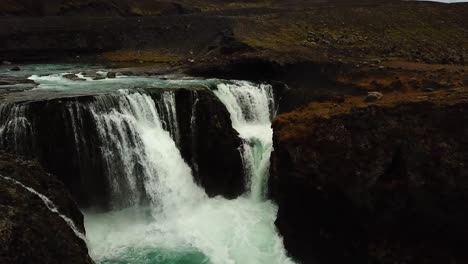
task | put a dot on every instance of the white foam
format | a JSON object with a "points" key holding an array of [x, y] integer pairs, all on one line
{"points": [[50, 205]]}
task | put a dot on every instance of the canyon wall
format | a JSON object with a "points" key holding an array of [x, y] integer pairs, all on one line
{"points": [[383, 182], [29, 231]]}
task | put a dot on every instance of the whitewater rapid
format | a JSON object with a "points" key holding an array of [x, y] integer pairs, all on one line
{"points": [[159, 214], [180, 224]]}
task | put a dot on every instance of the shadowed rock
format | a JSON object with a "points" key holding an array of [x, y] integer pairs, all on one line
{"points": [[29, 231]]}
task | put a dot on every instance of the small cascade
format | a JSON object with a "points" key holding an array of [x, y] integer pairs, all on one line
{"points": [[167, 110], [75, 112], [15, 130], [193, 132], [252, 107], [50, 205]]}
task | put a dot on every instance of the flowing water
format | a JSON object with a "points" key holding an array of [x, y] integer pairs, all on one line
{"points": [[252, 108], [160, 215], [49, 204], [181, 224]]}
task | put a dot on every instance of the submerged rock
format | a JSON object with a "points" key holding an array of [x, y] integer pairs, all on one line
{"points": [[29, 231], [73, 77], [111, 75], [377, 184]]}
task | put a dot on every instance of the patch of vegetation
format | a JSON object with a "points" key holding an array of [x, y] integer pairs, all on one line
{"points": [[155, 55], [419, 32], [10, 7]]}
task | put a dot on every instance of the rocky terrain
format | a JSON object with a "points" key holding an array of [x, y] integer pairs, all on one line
{"points": [[29, 231], [374, 182], [370, 142]]}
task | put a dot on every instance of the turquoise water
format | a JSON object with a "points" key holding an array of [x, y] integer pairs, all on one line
{"points": [[52, 84], [181, 225], [160, 256]]}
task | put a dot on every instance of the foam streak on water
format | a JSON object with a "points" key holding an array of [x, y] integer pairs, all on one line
{"points": [[50, 205]]}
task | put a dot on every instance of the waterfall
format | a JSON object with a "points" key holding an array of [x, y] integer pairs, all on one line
{"points": [[143, 162], [50, 205], [193, 132], [15, 129], [251, 107], [183, 224], [167, 110], [159, 214]]}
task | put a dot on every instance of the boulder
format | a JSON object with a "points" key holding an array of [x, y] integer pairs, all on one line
{"points": [[111, 75], [29, 231], [73, 77]]}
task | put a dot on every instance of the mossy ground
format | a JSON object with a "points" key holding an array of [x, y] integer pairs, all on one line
{"points": [[153, 55]]}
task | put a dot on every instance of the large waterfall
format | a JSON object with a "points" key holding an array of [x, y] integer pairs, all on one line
{"points": [[159, 213]]}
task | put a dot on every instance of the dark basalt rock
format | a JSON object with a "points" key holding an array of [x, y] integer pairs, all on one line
{"points": [[29, 231], [208, 143], [73, 77], [61, 134], [49, 137], [10, 84], [111, 75], [374, 185]]}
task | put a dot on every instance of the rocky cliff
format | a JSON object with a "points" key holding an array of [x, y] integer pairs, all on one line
{"points": [[29, 231], [209, 143], [382, 182], [61, 133]]}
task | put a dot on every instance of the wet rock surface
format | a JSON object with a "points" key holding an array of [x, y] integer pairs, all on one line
{"points": [[209, 143], [29, 231], [385, 183], [61, 134], [10, 84]]}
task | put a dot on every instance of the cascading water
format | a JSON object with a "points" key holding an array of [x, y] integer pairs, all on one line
{"points": [[159, 214], [134, 137], [251, 108], [49, 204], [15, 128], [181, 224]]}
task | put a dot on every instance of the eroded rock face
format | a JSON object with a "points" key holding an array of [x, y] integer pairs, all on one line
{"points": [[29, 231], [386, 183], [209, 143], [63, 136]]}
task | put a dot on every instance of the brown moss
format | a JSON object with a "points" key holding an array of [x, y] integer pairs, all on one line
{"points": [[154, 55], [294, 126]]}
